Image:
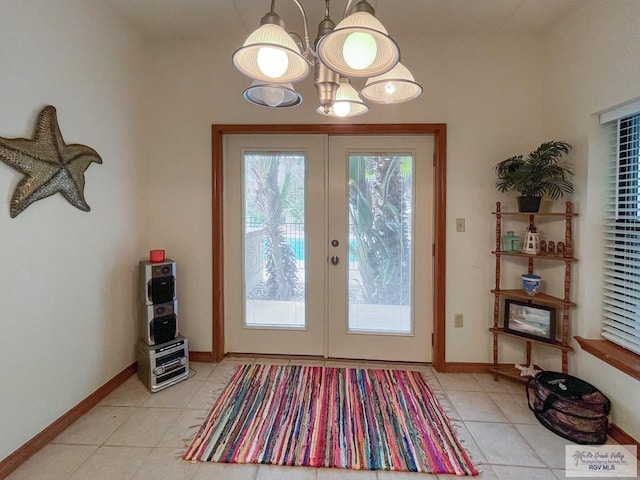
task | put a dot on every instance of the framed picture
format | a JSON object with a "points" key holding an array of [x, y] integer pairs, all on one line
{"points": [[528, 320]]}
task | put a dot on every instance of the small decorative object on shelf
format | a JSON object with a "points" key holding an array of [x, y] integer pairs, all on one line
{"points": [[531, 283], [510, 242], [552, 247], [515, 316], [531, 241], [525, 319], [543, 247]]}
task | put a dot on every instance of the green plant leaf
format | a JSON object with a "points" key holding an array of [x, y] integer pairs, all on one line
{"points": [[538, 174]]}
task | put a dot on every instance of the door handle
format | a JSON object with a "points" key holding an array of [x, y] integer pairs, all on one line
{"points": [[335, 260]]}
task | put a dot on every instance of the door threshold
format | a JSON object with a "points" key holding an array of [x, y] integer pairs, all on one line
{"points": [[321, 359]]}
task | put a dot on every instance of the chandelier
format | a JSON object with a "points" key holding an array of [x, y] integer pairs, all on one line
{"points": [[358, 47]]}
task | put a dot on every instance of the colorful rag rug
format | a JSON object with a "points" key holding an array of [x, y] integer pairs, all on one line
{"points": [[355, 418]]}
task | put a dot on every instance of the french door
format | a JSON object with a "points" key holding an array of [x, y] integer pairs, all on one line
{"points": [[328, 245]]}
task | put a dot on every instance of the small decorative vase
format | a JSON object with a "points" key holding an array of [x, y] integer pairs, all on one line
{"points": [[506, 241], [510, 242], [531, 283], [515, 244]]}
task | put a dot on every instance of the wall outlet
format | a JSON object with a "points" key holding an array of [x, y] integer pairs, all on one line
{"points": [[459, 224], [458, 321]]}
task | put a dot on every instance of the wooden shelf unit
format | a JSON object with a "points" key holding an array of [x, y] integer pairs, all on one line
{"points": [[539, 256], [562, 304], [519, 294], [559, 345]]}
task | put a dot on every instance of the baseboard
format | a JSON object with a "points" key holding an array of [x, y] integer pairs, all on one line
{"points": [[200, 356], [277, 356], [466, 367], [622, 437], [22, 454]]}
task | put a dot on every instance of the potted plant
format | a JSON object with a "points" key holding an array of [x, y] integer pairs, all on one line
{"points": [[535, 175]]}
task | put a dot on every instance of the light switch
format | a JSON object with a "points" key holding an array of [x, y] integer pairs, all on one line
{"points": [[459, 224]]}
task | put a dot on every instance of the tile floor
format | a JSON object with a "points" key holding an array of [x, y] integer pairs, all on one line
{"points": [[135, 435]]}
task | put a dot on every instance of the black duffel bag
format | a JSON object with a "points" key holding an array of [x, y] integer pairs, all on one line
{"points": [[570, 407]]}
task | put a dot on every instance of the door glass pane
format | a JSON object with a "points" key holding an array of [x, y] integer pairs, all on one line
{"points": [[274, 246], [380, 221]]}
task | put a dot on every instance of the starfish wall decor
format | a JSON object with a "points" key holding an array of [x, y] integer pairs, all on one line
{"points": [[49, 165]]}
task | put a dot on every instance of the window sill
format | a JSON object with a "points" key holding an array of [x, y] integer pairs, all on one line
{"points": [[618, 357]]}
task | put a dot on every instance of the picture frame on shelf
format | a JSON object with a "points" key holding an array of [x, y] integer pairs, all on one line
{"points": [[529, 320]]}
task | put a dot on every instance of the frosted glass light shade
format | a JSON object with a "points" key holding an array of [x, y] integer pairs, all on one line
{"points": [[331, 47], [249, 58], [359, 50], [273, 95], [395, 86], [346, 104], [273, 62]]}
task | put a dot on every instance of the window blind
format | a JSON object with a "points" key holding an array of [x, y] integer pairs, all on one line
{"points": [[621, 280]]}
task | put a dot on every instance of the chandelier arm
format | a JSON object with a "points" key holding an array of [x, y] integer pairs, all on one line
{"points": [[336, 97], [309, 53], [347, 7], [298, 40]]}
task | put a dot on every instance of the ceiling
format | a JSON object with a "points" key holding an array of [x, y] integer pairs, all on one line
{"points": [[238, 18]]}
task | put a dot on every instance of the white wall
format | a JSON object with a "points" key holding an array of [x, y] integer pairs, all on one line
{"points": [[488, 89], [593, 66], [66, 276]]}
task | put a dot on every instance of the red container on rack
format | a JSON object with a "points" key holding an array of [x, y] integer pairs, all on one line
{"points": [[156, 256]]}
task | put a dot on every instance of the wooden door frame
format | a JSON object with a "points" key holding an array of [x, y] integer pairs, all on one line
{"points": [[439, 133]]}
